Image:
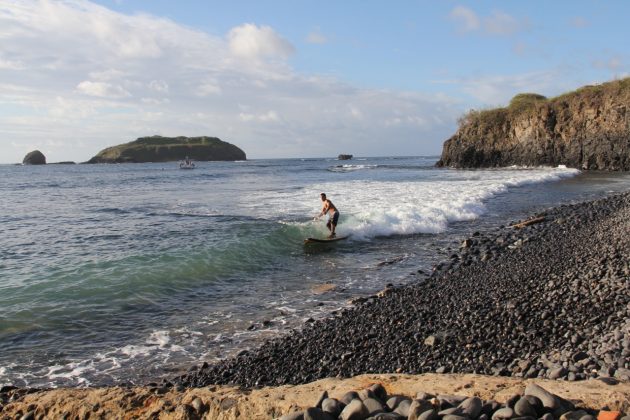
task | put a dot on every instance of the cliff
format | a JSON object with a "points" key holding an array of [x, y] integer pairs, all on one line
{"points": [[585, 129], [167, 149]]}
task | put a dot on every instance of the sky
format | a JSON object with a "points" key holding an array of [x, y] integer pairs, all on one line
{"points": [[287, 78]]}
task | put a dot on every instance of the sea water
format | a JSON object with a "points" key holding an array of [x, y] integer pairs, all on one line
{"points": [[130, 273]]}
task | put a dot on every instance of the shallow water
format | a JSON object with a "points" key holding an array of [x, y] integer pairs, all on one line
{"points": [[127, 273]]}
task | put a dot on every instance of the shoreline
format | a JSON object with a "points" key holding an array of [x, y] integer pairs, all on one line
{"points": [[548, 301]]}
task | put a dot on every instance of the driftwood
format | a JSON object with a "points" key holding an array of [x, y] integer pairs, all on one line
{"points": [[529, 222]]}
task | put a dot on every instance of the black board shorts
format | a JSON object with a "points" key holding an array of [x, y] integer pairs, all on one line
{"points": [[335, 218]]}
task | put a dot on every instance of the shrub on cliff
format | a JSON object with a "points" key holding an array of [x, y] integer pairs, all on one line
{"points": [[525, 101], [484, 117]]}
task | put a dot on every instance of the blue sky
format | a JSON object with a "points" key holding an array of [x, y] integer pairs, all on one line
{"points": [[286, 78]]}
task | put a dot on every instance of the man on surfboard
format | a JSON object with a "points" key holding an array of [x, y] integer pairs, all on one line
{"points": [[333, 214]]}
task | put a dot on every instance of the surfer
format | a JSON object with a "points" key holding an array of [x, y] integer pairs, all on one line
{"points": [[333, 214]]}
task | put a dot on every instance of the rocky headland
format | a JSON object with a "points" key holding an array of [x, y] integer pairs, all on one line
{"points": [[586, 129], [168, 149]]}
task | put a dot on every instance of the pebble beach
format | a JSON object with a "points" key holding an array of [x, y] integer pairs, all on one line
{"points": [[542, 300], [546, 300]]}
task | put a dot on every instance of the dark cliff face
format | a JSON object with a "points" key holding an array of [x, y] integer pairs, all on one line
{"points": [[586, 129], [168, 149]]}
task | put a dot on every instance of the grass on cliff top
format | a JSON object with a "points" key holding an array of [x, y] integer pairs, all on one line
{"points": [[168, 141], [527, 103]]}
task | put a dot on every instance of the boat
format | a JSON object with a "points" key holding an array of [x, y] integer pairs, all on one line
{"points": [[186, 164]]}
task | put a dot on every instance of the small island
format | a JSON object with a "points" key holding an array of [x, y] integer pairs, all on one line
{"points": [[169, 149], [34, 158], [344, 157]]}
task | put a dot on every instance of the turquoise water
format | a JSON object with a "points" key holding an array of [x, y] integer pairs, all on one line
{"points": [[128, 273]]}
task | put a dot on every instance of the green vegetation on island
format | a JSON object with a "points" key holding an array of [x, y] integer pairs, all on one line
{"points": [[168, 149]]}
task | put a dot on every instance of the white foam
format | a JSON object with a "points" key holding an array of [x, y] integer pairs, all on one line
{"points": [[160, 338], [350, 167], [73, 371], [423, 205]]}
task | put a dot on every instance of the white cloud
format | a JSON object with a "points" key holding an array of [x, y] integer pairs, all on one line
{"points": [[316, 37], [209, 87], [102, 89], [500, 23], [85, 83], [494, 91], [158, 86], [614, 64], [251, 41], [154, 101], [497, 23], [355, 112], [107, 75], [269, 116], [10, 65], [466, 18], [579, 22]]}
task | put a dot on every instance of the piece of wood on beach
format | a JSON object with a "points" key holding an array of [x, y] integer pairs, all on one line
{"points": [[529, 222]]}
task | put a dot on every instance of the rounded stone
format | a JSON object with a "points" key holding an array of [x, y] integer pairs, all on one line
{"points": [[524, 408], [356, 410], [332, 406]]}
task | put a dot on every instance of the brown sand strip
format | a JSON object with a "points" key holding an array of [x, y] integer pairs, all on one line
{"points": [[225, 402]]}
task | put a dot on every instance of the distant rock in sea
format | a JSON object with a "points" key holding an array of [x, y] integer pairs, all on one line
{"points": [[65, 162], [344, 157], [168, 149], [34, 158], [585, 129]]}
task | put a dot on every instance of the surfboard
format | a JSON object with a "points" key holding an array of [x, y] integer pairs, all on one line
{"points": [[324, 241]]}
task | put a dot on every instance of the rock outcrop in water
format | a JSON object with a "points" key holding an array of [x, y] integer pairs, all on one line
{"points": [[34, 158], [168, 149], [585, 129]]}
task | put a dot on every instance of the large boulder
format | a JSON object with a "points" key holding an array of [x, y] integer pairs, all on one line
{"points": [[168, 149], [585, 129], [34, 158]]}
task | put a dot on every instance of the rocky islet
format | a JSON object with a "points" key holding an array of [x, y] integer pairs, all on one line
{"points": [[34, 158], [168, 149]]}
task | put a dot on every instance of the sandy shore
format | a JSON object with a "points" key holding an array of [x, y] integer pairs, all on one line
{"points": [[225, 402]]}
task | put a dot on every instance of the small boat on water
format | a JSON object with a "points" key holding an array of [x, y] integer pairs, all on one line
{"points": [[186, 164]]}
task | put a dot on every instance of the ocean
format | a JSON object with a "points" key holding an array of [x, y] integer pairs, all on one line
{"points": [[125, 274]]}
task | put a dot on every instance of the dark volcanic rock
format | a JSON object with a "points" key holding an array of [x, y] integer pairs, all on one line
{"points": [[519, 407], [559, 301], [34, 158], [586, 129]]}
